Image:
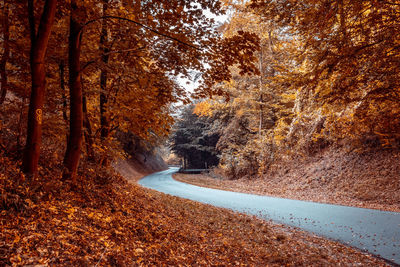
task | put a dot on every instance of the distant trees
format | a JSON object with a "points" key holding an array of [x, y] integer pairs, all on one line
{"points": [[194, 140], [327, 73], [348, 55], [259, 111]]}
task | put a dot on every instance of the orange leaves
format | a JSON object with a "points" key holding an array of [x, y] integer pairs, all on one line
{"points": [[122, 224], [345, 64]]}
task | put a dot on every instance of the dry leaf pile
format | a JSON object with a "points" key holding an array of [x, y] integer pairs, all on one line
{"points": [[104, 220]]}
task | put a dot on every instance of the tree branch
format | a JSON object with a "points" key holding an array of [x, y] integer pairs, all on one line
{"points": [[108, 53], [141, 25]]}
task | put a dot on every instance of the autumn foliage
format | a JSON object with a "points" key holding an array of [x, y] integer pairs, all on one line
{"points": [[91, 69], [327, 76], [81, 79]]}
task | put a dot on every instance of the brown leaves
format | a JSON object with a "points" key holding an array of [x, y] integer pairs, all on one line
{"points": [[120, 224]]}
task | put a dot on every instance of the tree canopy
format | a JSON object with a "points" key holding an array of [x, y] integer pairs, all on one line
{"points": [[102, 67], [326, 72]]}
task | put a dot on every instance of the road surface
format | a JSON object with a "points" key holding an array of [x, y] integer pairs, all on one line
{"points": [[377, 232]]}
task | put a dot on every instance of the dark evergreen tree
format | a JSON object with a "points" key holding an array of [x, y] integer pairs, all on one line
{"points": [[194, 140]]}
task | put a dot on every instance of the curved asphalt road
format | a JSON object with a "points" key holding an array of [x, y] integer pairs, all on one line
{"points": [[377, 232]]}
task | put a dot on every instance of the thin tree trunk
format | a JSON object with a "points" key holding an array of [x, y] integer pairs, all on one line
{"points": [[104, 120], [6, 53], [20, 127], [39, 44], [342, 20], [61, 66], [73, 152], [261, 92], [88, 130]]}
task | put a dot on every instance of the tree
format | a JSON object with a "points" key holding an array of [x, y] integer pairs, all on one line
{"points": [[123, 62], [6, 51], [39, 41], [104, 119], [258, 110], [73, 152], [194, 140], [150, 70], [349, 62]]}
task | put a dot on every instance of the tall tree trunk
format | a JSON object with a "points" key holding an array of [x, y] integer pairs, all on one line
{"points": [[39, 43], [104, 119], [88, 130], [73, 152], [261, 84], [6, 53]]}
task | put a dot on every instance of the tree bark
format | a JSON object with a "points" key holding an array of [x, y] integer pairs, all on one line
{"points": [[39, 44], [104, 119], [20, 123], [6, 53], [88, 130], [73, 152], [61, 66], [261, 84]]}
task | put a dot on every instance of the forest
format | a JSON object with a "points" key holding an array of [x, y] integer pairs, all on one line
{"points": [[317, 83], [91, 91]]}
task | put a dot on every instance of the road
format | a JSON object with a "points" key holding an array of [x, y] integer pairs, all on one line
{"points": [[377, 232]]}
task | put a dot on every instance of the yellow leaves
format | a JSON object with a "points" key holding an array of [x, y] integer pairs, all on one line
{"points": [[204, 108], [131, 16], [280, 131], [289, 96]]}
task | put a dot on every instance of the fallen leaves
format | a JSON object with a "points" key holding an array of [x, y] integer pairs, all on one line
{"points": [[120, 224], [367, 180]]}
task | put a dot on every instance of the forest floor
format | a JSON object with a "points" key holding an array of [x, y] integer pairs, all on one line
{"points": [[367, 180], [104, 220]]}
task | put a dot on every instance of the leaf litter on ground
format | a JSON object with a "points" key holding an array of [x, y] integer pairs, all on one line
{"points": [[106, 221]]}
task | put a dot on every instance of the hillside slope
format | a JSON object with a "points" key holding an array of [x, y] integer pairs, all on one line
{"points": [[369, 179], [143, 158], [135, 167]]}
